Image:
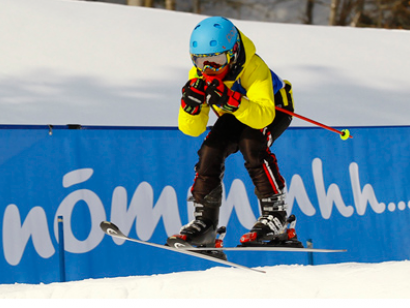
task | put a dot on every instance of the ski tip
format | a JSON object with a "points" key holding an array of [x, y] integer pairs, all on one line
{"points": [[109, 228], [104, 224]]}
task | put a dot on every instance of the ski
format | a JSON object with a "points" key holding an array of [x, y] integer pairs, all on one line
{"points": [[182, 245], [112, 230]]}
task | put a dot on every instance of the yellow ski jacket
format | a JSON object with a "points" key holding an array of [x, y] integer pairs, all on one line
{"points": [[254, 80]]}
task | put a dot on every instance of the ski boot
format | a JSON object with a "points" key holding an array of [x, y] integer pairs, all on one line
{"points": [[202, 231], [273, 228]]}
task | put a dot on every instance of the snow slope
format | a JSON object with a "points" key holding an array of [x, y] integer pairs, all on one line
{"points": [[349, 281], [100, 64], [77, 62]]}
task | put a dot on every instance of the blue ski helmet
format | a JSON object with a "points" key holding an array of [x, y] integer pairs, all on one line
{"points": [[213, 35]]}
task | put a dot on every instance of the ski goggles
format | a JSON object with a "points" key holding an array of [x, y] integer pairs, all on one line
{"points": [[215, 62]]}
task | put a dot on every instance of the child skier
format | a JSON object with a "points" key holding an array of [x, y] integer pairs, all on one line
{"points": [[232, 80]]}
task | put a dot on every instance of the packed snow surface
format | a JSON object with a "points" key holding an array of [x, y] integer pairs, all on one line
{"points": [[348, 280], [66, 62]]}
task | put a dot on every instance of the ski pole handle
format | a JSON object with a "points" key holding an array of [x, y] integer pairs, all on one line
{"points": [[344, 133]]}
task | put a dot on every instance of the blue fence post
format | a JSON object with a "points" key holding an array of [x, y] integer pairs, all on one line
{"points": [[310, 254], [61, 248]]}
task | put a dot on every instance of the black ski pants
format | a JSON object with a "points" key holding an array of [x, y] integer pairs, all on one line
{"points": [[229, 135]]}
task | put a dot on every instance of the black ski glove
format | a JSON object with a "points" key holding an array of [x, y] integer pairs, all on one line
{"points": [[218, 94], [193, 96]]}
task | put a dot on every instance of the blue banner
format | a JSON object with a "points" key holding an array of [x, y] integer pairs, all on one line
{"points": [[345, 194]]}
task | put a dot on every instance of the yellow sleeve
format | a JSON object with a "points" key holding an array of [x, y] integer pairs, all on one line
{"points": [[257, 108], [193, 125]]}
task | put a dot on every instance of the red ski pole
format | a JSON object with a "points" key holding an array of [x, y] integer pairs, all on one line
{"points": [[344, 133]]}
